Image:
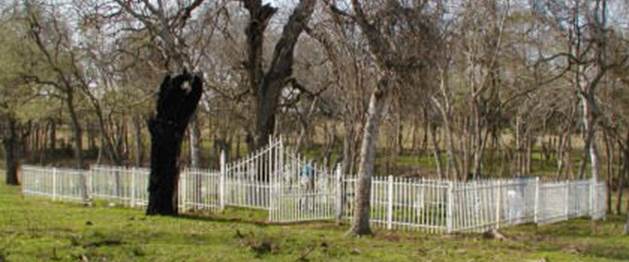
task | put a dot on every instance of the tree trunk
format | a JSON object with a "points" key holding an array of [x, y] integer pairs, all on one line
{"points": [[627, 223], [399, 131], [589, 148], [529, 153], [436, 151], [561, 152], [621, 182], [267, 87], [11, 158], [91, 137], [77, 130], [465, 145], [348, 148], [175, 106], [609, 153], [424, 146], [589, 120], [377, 107], [414, 134], [43, 144], [623, 174], [238, 139], [53, 135], [195, 143], [139, 144]]}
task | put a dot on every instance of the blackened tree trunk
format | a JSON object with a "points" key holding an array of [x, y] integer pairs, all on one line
{"points": [[177, 102], [10, 143]]}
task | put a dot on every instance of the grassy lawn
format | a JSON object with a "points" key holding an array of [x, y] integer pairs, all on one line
{"points": [[33, 229]]}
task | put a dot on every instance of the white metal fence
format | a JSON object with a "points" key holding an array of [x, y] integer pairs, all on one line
{"points": [[403, 203], [293, 189], [304, 191], [125, 186], [248, 180], [57, 183]]}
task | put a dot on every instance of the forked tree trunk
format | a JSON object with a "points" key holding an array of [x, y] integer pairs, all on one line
{"points": [[177, 101], [377, 107], [267, 86]]}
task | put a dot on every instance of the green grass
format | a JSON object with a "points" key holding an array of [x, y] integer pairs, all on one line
{"points": [[35, 229]]}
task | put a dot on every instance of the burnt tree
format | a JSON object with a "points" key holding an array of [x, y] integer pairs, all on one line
{"points": [[177, 101]]}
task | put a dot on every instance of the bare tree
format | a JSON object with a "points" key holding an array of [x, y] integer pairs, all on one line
{"points": [[266, 85], [55, 57], [386, 31]]}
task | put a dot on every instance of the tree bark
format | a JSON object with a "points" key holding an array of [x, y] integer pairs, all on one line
{"points": [[77, 130], [621, 182], [436, 151], [53, 135], [195, 144], [589, 149], [11, 158], [627, 224], [177, 102], [627, 221], [348, 147], [623, 174], [377, 107], [399, 131], [139, 147], [609, 150]]}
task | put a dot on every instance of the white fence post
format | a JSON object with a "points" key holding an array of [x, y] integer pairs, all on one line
{"points": [[449, 215], [339, 193], [221, 185], [54, 183], [536, 204], [390, 203]]}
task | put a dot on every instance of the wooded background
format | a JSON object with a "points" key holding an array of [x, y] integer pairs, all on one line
{"points": [[451, 89]]}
